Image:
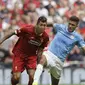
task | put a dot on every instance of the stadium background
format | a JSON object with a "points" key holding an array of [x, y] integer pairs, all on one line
{"points": [[14, 13]]}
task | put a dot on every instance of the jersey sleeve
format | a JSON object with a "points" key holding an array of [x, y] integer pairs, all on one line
{"points": [[81, 42], [58, 27], [24, 29], [18, 32], [45, 43]]}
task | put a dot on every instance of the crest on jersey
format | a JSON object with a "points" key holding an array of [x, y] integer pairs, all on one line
{"points": [[72, 37]]}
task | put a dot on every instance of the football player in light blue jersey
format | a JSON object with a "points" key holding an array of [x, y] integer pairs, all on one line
{"points": [[65, 39]]}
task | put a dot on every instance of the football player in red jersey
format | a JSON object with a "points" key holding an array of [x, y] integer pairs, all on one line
{"points": [[31, 42]]}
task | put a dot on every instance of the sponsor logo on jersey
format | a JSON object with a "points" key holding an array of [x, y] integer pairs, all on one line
{"points": [[37, 43]]}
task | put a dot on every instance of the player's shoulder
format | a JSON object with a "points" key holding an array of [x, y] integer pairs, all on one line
{"points": [[59, 25], [45, 35], [27, 27], [77, 35]]}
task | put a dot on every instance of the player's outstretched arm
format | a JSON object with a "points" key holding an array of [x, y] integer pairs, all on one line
{"points": [[7, 35], [82, 50]]}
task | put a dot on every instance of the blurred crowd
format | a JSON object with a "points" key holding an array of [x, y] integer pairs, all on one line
{"points": [[14, 13]]}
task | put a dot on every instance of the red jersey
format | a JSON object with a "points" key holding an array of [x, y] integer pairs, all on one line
{"points": [[28, 42]]}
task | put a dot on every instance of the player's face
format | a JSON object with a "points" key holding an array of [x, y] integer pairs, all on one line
{"points": [[41, 27], [72, 26]]}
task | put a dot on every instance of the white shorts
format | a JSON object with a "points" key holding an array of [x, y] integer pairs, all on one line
{"points": [[54, 64]]}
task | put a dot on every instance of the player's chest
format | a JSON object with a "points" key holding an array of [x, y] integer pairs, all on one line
{"points": [[67, 39], [34, 40]]}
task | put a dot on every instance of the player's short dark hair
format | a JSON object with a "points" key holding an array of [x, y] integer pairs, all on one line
{"points": [[42, 19], [74, 18]]}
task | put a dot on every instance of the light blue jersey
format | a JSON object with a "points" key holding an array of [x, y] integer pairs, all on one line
{"points": [[64, 41]]}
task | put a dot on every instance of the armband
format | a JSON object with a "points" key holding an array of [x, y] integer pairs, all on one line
{"points": [[15, 31]]}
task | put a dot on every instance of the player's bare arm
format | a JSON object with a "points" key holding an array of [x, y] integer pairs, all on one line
{"points": [[7, 35], [40, 50], [83, 50], [39, 53]]}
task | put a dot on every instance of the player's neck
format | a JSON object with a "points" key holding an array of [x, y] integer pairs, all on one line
{"points": [[37, 33]]}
